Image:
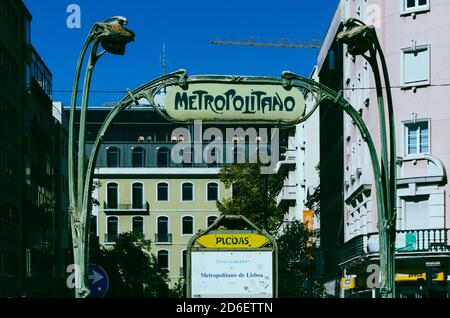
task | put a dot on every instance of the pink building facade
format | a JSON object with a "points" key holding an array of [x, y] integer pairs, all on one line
{"points": [[415, 41]]}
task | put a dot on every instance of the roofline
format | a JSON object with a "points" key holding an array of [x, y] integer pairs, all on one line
{"points": [[328, 41], [24, 7]]}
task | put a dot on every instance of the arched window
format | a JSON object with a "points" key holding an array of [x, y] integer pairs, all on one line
{"points": [[112, 196], [138, 224], [112, 229], [162, 191], [162, 159], [163, 259], [138, 157], [210, 220], [187, 192], [188, 225], [163, 235], [112, 157], [212, 191], [138, 195]]}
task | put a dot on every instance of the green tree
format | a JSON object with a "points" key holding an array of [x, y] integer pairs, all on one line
{"points": [[132, 269], [295, 248], [248, 187], [294, 243]]}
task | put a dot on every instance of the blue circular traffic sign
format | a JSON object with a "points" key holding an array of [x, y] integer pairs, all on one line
{"points": [[98, 281]]}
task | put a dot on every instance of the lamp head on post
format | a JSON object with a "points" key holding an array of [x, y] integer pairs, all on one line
{"points": [[356, 36], [115, 36]]}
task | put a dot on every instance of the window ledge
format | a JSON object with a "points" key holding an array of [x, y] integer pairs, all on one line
{"points": [[407, 12], [415, 85], [415, 156]]}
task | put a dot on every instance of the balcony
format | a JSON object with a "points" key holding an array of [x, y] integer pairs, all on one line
{"points": [[163, 238], [111, 238], [288, 163], [126, 208], [409, 242], [286, 197]]}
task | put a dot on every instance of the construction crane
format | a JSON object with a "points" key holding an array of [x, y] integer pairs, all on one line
{"points": [[281, 42]]}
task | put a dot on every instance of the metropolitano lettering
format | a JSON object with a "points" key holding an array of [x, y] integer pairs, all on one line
{"points": [[255, 102]]}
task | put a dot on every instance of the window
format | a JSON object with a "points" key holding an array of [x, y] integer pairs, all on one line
{"points": [[163, 235], [213, 156], [138, 157], [210, 220], [410, 6], [112, 157], [138, 195], [163, 260], [112, 196], [417, 138], [416, 66], [187, 157], [212, 192], [188, 225], [187, 192], [162, 191], [112, 230], [138, 225], [162, 159], [417, 215]]}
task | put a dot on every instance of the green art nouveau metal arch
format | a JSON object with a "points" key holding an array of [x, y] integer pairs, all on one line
{"points": [[288, 80], [114, 38]]}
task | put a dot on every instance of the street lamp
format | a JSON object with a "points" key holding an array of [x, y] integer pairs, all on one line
{"points": [[362, 39], [113, 37]]}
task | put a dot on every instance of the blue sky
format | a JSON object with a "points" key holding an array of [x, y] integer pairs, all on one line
{"points": [[186, 27]]}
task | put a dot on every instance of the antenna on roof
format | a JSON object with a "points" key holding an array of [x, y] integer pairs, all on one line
{"points": [[164, 61]]}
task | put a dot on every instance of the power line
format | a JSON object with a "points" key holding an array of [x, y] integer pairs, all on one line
{"points": [[345, 89]]}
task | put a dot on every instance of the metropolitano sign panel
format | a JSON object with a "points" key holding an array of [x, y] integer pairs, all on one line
{"points": [[232, 274], [234, 102]]}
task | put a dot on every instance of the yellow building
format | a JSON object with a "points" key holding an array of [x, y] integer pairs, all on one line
{"points": [[167, 206], [140, 188]]}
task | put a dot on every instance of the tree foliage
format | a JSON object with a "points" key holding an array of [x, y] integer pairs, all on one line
{"points": [[132, 269], [295, 246], [247, 184], [295, 243]]}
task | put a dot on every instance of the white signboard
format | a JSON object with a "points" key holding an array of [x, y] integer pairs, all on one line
{"points": [[232, 274]]}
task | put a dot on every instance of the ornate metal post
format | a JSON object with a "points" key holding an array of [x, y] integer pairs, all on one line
{"points": [[361, 39], [113, 37]]}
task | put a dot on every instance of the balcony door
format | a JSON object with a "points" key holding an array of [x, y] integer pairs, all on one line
{"points": [[112, 196], [163, 229], [138, 195]]}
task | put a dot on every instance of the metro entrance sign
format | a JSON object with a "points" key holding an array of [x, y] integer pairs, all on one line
{"points": [[229, 263], [236, 101], [228, 99], [239, 240]]}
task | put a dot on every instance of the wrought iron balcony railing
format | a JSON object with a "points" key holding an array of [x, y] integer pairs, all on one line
{"points": [[111, 238], [163, 238], [126, 207], [407, 241]]}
